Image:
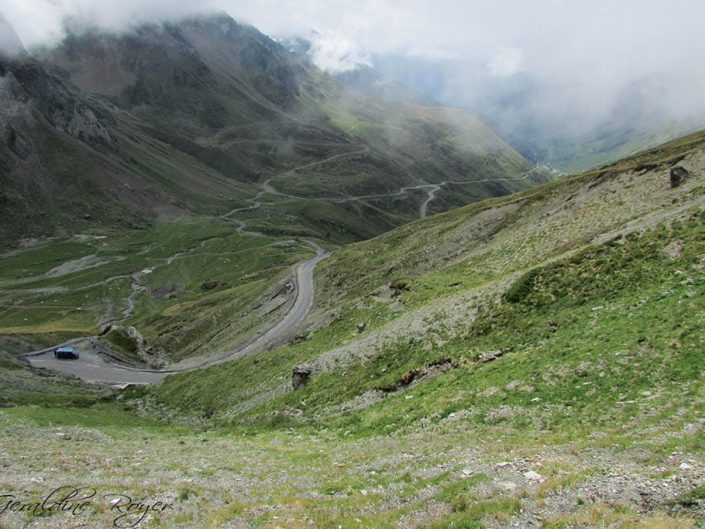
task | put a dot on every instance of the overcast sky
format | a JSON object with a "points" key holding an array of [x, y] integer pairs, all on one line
{"points": [[548, 36], [596, 46]]}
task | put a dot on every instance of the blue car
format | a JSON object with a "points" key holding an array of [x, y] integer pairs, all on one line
{"points": [[66, 353]]}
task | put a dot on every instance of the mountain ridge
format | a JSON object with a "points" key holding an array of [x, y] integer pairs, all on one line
{"points": [[237, 108]]}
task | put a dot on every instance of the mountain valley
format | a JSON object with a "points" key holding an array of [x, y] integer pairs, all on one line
{"points": [[302, 300]]}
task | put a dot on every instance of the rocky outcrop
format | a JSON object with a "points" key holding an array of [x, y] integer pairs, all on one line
{"points": [[14, 116], [491, 356], [134, 335], [63, 110], [678, 175], [25, 85], [168, 291], [301, 376], [127, 340]]}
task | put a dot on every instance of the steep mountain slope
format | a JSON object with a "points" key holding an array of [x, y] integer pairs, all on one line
{"points": [[67, 164], [425, 281], [214, 102], [522, 361], [225, 92], [147, 154], [529, 361]]}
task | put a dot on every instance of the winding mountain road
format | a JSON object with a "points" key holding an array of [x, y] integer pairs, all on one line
{"points": [[423, 210], [97, 366], [432, 189]]}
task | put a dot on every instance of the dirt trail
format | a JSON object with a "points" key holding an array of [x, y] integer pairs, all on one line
{"points": [[365, 150]]}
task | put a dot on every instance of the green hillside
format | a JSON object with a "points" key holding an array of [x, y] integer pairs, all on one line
{"points": [[532, 358], [191, 118], [411, 281], [122, 151], [566, 317]]}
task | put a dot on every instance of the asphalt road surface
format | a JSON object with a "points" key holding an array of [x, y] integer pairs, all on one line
{"points": [[93, 367]]}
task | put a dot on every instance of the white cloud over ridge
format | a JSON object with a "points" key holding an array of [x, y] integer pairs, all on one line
{"points": [[611, 36], [591, 49], [336, 53], [507, 62]]}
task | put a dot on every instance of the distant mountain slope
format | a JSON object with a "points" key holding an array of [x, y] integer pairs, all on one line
{"points": [[192, 117], [643, 115], [573, 271], [69, 164], [545, 121], [370, 82]]}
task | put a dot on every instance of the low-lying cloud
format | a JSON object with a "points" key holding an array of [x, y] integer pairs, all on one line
{"points": [[582, 52]]}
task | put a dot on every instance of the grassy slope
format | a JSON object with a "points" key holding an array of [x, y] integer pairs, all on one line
{"points": [[608, 327], [444, 260], [596, 306], [171, 168], [183, 255], [409, 144], [69, 187], [611, 145]]}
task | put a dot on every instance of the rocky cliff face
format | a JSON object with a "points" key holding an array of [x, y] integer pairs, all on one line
{"points": [[195, 69], [26, 86], [53, 99]]}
